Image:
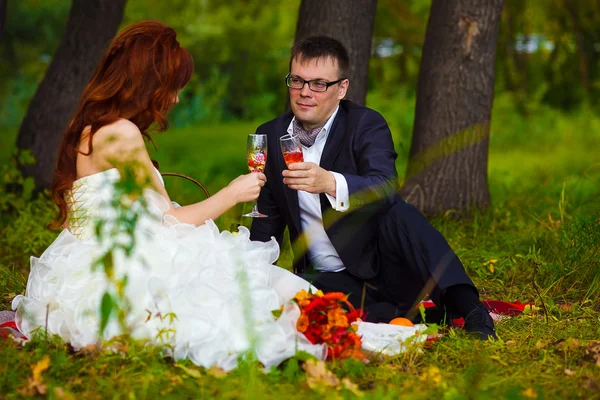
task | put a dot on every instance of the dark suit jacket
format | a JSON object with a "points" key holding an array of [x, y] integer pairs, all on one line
{"points": [[359, 146]]}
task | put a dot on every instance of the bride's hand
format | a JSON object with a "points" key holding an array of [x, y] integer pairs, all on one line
{"points": [[247, 187]]}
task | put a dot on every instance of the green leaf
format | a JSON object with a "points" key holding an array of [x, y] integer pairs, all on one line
{"points": [[106, 308], [292, 369], [305, 356], [107, 262], [422, 312]]}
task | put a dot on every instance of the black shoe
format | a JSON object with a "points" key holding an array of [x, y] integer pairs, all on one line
{"points": [[480, 323]]}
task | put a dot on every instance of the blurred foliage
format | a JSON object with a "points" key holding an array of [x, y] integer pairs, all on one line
{"points": [[32, 33], [548, 53], [240, 51]]}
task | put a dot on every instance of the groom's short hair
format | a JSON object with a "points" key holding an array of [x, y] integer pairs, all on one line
{"points": [[315, 47]]}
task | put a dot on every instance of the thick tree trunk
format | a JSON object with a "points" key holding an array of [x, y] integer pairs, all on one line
{"points": [[447, 169], [3, 16], [90, 27], [349, 21]]}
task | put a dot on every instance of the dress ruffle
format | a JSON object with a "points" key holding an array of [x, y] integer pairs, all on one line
{"points": [[220, 286]]}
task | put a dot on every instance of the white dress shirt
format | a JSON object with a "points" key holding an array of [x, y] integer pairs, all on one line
{"points": [[321, 253]]}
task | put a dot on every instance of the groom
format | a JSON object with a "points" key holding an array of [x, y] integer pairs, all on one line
{"points": [[350, 229]]}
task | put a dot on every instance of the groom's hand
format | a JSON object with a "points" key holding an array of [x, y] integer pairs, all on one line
{"points": [[309, 177]]}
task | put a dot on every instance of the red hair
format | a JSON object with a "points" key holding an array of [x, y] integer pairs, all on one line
{"points": [[139, 76]]}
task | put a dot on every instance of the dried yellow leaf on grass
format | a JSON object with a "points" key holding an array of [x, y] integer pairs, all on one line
{"points": [[490, 264], [61, 394], [530, 393], [317, 375], [431, 375], [91, 350], [40, 367], [216, 372], [35, 383], [194, 373], [351, 386]]}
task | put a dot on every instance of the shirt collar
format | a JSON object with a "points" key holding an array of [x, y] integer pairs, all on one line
{"points": [[326, 127]]}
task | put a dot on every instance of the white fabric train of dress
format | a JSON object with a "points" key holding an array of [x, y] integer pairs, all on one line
{"points": [[193, 272]]}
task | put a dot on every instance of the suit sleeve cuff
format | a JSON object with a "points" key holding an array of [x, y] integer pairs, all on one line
{"points": [[340, 201]]}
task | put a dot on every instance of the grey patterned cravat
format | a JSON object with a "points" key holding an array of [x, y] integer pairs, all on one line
{"points": [[307, 138]]}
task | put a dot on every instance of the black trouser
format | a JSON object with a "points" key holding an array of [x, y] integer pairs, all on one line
{"points": [[415, 261]]}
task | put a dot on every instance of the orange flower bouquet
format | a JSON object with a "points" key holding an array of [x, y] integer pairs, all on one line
{"points": [[324, 320]]}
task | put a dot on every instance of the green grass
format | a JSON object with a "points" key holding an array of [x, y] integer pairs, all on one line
{"points": [[543, 229]]}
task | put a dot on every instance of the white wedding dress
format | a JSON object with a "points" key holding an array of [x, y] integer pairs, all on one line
{"points": [[220, 286]]}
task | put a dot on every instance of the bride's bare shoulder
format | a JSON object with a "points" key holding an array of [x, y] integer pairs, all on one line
{"points": [[120, 140], [121, 130]]}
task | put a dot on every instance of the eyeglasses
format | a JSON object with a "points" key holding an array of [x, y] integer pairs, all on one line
{"points": [[295, 82]]}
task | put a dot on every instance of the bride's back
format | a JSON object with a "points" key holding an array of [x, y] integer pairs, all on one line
{"points": [[107, 144], [134, 86]]}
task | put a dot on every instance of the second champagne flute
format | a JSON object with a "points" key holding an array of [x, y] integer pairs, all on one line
{"points": [[291, 149]]}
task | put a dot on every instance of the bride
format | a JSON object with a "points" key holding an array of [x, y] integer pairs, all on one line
{"points": [[208, 290]]}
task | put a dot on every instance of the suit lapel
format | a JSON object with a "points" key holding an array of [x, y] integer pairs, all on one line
{"points": [[333, 146], [335, 138]]}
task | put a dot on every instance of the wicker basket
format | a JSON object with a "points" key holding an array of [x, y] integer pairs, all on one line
{"points": [[201, 186]]}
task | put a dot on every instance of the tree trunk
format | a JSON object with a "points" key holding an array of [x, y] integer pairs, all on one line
{"points": [[447, 168], [349, 21], [575, 20], [90, 27], [3, 16], [514, 64]]}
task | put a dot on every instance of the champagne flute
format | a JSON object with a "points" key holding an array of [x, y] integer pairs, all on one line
{"points": [[291, 149], [256, 157]]}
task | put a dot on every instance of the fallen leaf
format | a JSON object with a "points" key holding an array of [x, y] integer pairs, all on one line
{"points": [[491, 268], [566, 307], [317, 375], [592, 384], [351, 386], [216, 372], [530, 393], [35, 383], [594, 350], [530, 308], [115, 346], [40, 367], [89, 350], [500, 360], [61, 394], [432, 374], [569, 372], [194, 373], [569, 344], [77, 381]]}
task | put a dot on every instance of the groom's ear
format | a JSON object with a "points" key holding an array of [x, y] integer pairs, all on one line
{"points": [[343, 89]]}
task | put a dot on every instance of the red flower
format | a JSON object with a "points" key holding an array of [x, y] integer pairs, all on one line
{"points": [[323, 319]]}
